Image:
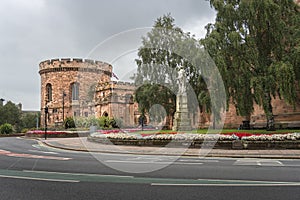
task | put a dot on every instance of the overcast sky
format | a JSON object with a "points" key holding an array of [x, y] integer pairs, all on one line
{"points": [[36, 30]]}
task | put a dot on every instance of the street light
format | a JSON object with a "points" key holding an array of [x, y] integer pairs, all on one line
{"points": [[64, 94], [46, 113]]}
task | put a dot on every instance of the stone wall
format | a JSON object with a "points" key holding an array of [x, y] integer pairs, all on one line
{"points": [[98, 96], [61, 74], [285, 115], [116, 100]]}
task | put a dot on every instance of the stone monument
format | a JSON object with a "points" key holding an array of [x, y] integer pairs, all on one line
{"points": [[182, 121]]}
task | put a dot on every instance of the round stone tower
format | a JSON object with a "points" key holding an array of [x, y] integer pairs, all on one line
{"points": [[67, 87]]}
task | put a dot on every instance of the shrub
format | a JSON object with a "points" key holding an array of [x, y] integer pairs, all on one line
{"points": [[116, 123], [25, 130], [104, 122], [6, 128], [69, 123]]}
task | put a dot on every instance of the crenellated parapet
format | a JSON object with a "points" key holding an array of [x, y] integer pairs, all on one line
{"points": [[75, 64], [115, 85], [66, 86]]}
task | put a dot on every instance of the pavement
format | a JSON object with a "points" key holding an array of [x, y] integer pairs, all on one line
{"points": [[82, 144]]}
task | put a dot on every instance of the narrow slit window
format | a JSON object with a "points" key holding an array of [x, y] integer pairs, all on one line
{"points": [[75, 91], [49, 92]]}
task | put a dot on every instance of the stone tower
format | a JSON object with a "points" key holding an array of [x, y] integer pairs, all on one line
{"points": [[67, 87]]}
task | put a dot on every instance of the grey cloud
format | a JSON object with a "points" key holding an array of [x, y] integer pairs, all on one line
{"points": [[32, 31]]}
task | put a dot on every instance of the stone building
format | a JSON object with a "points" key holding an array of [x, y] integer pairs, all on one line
{"points": [[115, 99], [83, 88], [77, 87], [66, 86]]}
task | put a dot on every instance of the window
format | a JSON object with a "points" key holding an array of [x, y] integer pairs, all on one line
{"points": [[76, 113], [49, 92], [75, 91]]}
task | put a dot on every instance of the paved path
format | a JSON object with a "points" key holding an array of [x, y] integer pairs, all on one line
{"points": [[81, 144]]}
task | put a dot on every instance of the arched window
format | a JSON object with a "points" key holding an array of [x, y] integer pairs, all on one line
{"points": [[75, 91], [48, 92]]}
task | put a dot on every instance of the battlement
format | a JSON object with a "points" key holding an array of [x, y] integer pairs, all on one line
{"points": [[115, 85], [122, 83], [74, 64]]}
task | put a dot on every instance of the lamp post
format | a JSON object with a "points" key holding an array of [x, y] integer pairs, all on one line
{"points": [[46, 113], [63, 106]]}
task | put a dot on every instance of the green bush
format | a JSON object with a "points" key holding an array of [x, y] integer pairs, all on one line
{"points": [[69, 123], [6, 128], [104, 122], [86, 122], [116, 123], [25, 130]]}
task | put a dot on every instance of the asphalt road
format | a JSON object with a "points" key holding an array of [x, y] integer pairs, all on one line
{"points": [[29, 170]]}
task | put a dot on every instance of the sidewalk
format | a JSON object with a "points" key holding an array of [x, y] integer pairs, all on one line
{"points": [[81, 144]]}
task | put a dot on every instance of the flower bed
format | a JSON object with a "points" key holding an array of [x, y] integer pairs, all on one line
{"points": [[198, 137], [273, 137], [173, 136], [228, 141]]}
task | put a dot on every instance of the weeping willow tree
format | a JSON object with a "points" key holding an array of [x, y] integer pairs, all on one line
{"points": [[255, 44], [165, 50]]}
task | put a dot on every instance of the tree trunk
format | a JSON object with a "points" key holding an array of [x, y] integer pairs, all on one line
{"points": [[169, 122], [269, 113]]}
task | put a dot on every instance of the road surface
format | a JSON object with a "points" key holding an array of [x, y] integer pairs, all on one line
{"points": [[29, 170]]}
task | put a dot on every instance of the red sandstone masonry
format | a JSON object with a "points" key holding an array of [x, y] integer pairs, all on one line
{"points": [[115, 98]]}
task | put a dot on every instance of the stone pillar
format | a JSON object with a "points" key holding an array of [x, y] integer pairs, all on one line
{"points": [[182, 122]]}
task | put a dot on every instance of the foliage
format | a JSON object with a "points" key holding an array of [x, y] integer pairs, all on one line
{"points": [[29, 120], [69, 123], [257, 43], [6, 128], [104, 122], [155, 64], [165, 50], [86, 122], [116, 123], [10, 113], [150, 94], [24, 130], [101, 122]]}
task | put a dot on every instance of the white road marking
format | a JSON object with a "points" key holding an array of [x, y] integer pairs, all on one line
{"points": [[245, 162], [241, 181], [25, 155], [228, 185], [40, 179], [260, 162], [193, 160], [153, 162], [136, 162], [36, 146], [271, 163], [78, 174], [45, 152]]}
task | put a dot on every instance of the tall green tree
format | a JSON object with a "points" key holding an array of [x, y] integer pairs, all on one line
{"points": [[29, 120], [11, 113], [255, 45], [165, 50]]}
